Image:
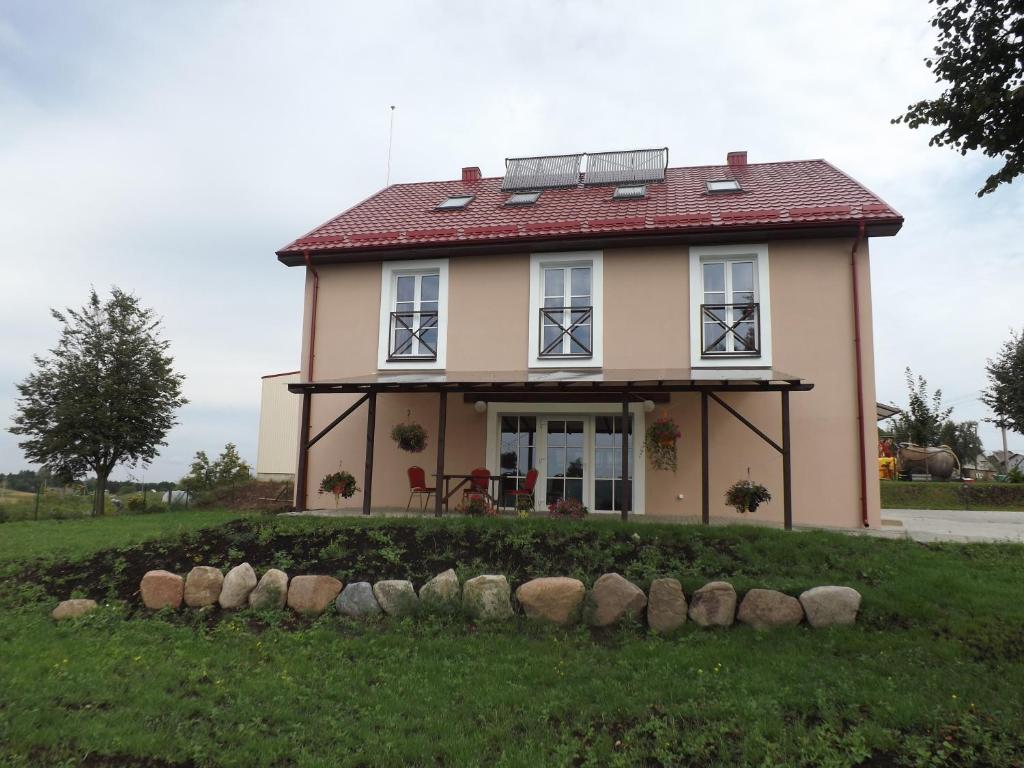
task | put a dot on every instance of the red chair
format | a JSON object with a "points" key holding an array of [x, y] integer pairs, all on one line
{"points": [[418, 487], [479, 484], [527, 490]]}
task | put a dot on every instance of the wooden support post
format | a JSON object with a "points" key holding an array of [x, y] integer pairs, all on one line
{"points": [[787, 466], [371, 426], [442, 418], [705, 501], [626, 490], [301, 470]]}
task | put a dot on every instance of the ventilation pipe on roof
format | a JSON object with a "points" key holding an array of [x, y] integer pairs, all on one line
{"points": [[862, 443], [471, 173], [736, 159]]}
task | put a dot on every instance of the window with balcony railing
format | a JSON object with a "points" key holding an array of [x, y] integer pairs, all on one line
{"points": [[730, 324], [730, 330], [413, 321]]}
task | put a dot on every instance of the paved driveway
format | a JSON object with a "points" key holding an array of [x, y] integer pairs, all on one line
{"points": [[955, 525]]}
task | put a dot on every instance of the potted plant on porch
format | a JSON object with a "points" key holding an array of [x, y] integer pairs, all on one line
{"points": [[409, 435], [746, 495], [341, 484], [660, 442]]}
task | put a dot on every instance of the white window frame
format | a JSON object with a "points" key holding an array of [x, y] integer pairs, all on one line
{"points": [[759, 254], [567, 411], [538, 261], [390, 270]]}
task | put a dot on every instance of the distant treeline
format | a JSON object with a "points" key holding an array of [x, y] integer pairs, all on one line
{"points": [[30, 480]]}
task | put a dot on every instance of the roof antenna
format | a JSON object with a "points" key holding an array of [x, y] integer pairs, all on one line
{"points": [[391, 137]]}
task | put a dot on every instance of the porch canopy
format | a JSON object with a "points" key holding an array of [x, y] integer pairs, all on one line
{"points": [[575, 386]]}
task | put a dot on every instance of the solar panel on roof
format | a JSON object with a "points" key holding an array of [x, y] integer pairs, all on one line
{"points": [[636, 165], [541, 172]]}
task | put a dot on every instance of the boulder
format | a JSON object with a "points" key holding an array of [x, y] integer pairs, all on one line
{"points": [[613, 598], [714, 605], [487, 598], [162, 589], [830, 606], [766, 608], [72, 609], [240, 581], [556, 599], [312, 594], [396, 597], [442, 591], [666, 606], [357, 600], [271, 591], [202, 586]]}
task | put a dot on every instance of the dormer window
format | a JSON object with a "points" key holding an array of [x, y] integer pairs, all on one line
{"points": [[630, 192], [455, 202], [722, 185], [523, 198]]}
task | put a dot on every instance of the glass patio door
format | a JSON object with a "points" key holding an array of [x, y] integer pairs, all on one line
{"points": [[564, 467], [608, 490]]}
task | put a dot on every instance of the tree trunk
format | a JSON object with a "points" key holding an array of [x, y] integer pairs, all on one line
{"points": [[100, 496]]}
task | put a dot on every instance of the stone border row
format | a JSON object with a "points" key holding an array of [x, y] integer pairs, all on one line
{"points": [[557, 599]]}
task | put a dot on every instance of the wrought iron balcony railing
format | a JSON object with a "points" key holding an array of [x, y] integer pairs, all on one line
{"points": [[730, 330], [412, 336], [573, 332]]}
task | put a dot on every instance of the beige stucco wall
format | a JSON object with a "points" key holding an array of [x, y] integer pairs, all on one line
{"points": [[277, 446], [646, 325]]}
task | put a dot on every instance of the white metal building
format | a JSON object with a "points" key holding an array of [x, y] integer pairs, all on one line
{"points": [[278, 447]]}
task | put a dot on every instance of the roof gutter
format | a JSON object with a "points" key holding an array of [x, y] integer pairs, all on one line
{"points": [[862, 443], [591, 240]]}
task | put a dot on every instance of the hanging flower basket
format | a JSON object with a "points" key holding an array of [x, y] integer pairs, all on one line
{"points": [[410, 436], [341, 483], [746, 496], [660, 442]]}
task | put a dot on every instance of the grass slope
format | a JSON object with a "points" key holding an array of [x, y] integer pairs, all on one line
{"points": [[996, 497], [931, 676], [26, 539]]}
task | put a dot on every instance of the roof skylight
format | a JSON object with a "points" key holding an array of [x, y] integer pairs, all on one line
{"points": [[456, 201], [630, 192], [523, 198], [722, 185]]}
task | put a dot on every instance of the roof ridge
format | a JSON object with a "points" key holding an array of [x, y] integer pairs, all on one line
{"points": [[668, 168]]}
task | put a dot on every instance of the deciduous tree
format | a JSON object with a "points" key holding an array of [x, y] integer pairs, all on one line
{"points": [[921, 423], [104, 396], [979, 57], [1005, 393]]}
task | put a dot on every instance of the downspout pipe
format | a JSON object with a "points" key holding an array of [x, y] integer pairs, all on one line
{"points": [[312, 316], [860, 378], [302, 470]]}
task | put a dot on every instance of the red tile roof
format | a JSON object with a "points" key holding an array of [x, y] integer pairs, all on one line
{"points": [[774, 195]]}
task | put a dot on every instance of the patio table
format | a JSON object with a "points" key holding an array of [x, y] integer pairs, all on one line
{"points": [[491, 494]]}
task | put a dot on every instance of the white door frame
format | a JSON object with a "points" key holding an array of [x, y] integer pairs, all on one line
{"points": [[582, 410]]}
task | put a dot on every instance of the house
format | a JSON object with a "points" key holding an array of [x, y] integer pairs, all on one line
{"points": [[527, 321], [278, 443], [997, 460], [980, 469]]}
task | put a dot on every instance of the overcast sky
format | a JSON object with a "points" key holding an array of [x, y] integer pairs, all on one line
{"points": [[170, 148]]}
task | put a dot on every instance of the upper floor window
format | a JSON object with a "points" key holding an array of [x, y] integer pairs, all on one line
{"points": [[565, 309], [730, 311], [566, 319], [413, 314]]}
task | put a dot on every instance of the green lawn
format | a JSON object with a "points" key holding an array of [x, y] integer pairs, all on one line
{"points": [[992, 496], [25, 539], [931, 676]]}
